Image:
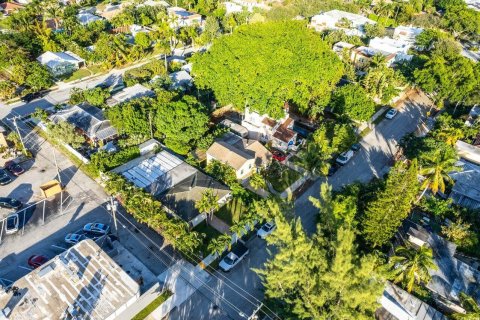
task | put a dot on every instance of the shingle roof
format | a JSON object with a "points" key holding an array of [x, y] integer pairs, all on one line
{"points": [[87, 118], [182, 197], [229, 154]]}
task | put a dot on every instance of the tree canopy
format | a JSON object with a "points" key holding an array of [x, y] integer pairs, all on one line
{"points": [[264, 65], [353, 101]]}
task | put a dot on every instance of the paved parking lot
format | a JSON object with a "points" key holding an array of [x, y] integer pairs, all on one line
{"points": [[84, 202]]}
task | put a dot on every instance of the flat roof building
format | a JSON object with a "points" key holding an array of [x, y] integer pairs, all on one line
{"points": [[81, 283], [129, 93], [351, 23]]}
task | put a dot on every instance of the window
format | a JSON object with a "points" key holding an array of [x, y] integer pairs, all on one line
{"points": [[241, 171]]}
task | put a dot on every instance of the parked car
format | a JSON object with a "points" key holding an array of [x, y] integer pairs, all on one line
{"points": [[333, 168], [12, 223], [238, 252], [391, 114], [4, 177], [266, 230], [74, 238], [34, 95], [355, 147], [278, 155], [14, 168], [36, 261], [10, 203], [98, 228], [344, 157]]}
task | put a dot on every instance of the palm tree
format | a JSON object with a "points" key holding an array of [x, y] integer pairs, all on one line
{"points": [[470, 306], [220, 244], [311, 160], [207, 203], [438, 166], [411, 266], [450, 135]]}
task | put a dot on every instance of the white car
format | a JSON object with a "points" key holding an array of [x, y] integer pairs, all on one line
{"points": [[12, 223], [391, 114], [344, 157], [266, 230]]}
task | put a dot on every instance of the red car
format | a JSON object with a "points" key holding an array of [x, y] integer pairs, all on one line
{"points": [[36, 261], [279, 155]]}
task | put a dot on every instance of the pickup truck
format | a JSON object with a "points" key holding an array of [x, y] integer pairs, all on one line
{"points": [[238, 252]]}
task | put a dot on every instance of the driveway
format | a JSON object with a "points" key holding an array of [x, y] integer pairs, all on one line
{"points": [[373, 160]]}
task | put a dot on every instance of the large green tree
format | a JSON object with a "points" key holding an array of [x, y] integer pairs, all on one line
{"points": [[385, 214], [181, 123], [353, 101], [263, 65], [316, 278]]}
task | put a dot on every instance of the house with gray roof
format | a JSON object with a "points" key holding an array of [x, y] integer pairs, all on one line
{"points": [[89, 120], [398, 304], [61, 63], [174, 182], [466, 190]]}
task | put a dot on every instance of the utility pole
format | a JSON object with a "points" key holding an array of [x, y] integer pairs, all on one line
{"points": [[60, 181], [112, 206], [254, 314], [18, 131]]}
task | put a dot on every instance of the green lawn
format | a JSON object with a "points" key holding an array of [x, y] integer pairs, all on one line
{"points": [[387, 22], [282, 182], [152, 306], [84, 72], [230, 213], [210, 233]]}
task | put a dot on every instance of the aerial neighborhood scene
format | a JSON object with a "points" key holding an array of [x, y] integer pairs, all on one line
{"points": [[241, 159]]}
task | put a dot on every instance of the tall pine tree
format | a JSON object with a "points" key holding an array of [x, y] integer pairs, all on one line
{"points": [[385, 214]]}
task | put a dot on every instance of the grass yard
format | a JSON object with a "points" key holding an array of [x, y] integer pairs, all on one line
{"points": [[152, 306], [84, 72], [230, 213], [283, 181], [210, 233], [387, 22]]}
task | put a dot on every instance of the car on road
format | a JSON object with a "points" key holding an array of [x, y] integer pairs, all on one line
{"points": [[12, 223], [14, 168], [391, 114], [238, 252], [74, 238], [355, 147], [4, 177], [278, 155], [34, 95], [10, 203], [266, 230], [344, 157], [333, 168], [97, 228], [36, 261]]}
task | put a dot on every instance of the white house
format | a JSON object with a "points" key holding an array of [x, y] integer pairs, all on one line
{"points": [[244, 156], [232, 7], [183, 18], [85, 18], [340, 47], [180, 80], [392, 46], [61, 63], [266, 129], [333, 20], [134, 92], [407, 34]]}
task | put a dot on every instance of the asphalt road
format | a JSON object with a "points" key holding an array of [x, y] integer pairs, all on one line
{"points": [[373, 160], [232, 295]]}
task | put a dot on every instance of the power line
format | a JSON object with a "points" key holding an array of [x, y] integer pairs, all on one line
{"points": [[172, 258]]}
